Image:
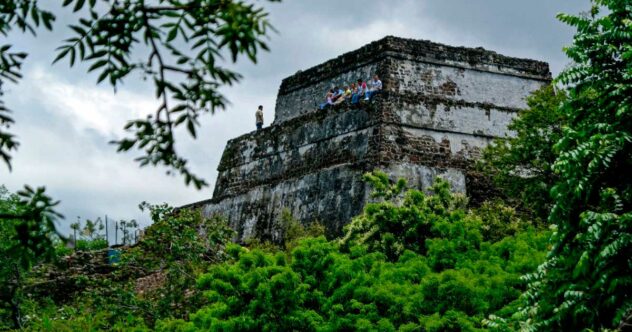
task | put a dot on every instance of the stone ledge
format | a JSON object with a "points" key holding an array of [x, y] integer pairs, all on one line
{"points": [[362, 165], [273, 133], [427, 51], [374, 118], [351, 147], [436, 99]]}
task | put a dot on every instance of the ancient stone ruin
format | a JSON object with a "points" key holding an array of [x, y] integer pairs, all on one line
{"points": [[440, 105]]}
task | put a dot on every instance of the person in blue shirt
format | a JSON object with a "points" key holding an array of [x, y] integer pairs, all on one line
{"points": [[338, 93], [359, 92]]}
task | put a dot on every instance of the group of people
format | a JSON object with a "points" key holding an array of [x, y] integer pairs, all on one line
{"points": [[352, 93]]}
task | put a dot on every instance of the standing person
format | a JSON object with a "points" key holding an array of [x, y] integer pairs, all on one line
{"points": [[375, 86], [259, 117]]}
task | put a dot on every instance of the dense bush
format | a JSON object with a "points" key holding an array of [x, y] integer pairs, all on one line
{"points": [[500, 220], [288, 231], [27, 235], [437, 274], [401, 220], [154, 279], [175, 249]]}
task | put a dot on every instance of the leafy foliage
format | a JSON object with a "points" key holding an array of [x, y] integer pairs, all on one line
{"points": [[186, 41], [449, 281], [91, 245], [92, 235], [26, 238], [390, 227], [178, 246], [456, 274], [288, 230], [521, 166], [499, 220], [183, 235], [154, 279], [106, 307], [26, 16], [585, 284]]}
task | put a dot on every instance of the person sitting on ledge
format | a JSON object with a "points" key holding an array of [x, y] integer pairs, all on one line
{"points": [[348, 91], [338, 94], [375, 86], [346, 94], [360, 91], [328, 99]]}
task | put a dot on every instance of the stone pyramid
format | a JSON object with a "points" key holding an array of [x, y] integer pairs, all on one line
{"points": [[440, 105]]}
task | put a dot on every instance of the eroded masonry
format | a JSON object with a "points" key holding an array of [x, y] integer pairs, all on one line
{"points": [[440, 105]]}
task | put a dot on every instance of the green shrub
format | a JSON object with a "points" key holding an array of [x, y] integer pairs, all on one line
{"points": [[449, 280], [178, 247], [91, 245], [79, 317], [404, 220], [288, 231], [499, 220]]}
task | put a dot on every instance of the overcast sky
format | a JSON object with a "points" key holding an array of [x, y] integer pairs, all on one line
{"points": [[64, 120]]}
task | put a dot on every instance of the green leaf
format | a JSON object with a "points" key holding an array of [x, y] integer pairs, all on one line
{"points": [[78, 5], [62, 54], [97, 64]]}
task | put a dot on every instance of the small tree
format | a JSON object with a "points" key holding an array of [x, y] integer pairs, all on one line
{"points": [[92, 229], [521, 166], [76, 227], [128, 228]]}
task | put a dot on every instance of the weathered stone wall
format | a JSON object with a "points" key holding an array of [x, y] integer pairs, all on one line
{"points": [[440, 106], [444, 116], [306, 99], [417, 66], [305, 145], [500, 88], [330, 195]]}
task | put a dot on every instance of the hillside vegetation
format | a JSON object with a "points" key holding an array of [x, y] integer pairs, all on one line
{"points": [[553, 253]]}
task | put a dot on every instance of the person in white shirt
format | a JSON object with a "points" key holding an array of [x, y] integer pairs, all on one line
{"points": [[375, 86], [259, 117]]}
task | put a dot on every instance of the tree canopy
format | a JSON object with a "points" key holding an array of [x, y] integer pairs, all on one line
{"points": [[585, 282], [182, 42]]}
